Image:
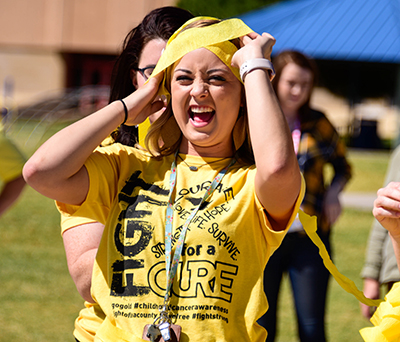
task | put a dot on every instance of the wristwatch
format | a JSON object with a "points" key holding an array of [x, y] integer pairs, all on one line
{"points": [[257, 63]]}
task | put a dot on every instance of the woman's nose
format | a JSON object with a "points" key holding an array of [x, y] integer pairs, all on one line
{"points": [[296, 89], [199, 89]]}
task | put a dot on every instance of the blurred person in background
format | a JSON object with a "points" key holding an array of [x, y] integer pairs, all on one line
{"points": [[380, 266], [317, 144], [11, 163], [387, 316], [142, 48]]}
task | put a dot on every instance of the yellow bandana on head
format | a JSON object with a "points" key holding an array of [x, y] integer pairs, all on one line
{"points": [[215, 38]]}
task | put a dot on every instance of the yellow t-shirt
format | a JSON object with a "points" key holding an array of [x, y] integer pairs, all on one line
{"points": [[70, 221], [217, 292], [88, 322], [11, 159]]}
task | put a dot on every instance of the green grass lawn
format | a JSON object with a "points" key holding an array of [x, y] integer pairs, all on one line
{"points": [[369, 169], [39, 302]]}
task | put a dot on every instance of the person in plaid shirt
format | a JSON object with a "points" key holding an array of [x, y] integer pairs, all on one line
{"points": [[316, 143]]}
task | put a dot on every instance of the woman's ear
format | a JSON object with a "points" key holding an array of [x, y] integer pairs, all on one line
{"points": [[133, 75]]}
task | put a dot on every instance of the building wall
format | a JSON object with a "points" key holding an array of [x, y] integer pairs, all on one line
{"points": [[31, 73], [102, 30], [73, 25], [35, 33], [31, 23]]}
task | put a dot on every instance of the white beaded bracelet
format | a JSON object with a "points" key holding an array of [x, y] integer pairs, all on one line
{"points": [[257, 63]]}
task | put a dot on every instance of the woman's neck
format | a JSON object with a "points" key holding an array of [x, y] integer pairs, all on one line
{"points": [[216, 151], [292, 117]]}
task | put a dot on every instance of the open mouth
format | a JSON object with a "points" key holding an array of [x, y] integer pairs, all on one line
{"points": [[200, 115]]}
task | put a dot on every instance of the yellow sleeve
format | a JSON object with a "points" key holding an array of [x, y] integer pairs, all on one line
{"points": [[103, 174], [11, 160]]}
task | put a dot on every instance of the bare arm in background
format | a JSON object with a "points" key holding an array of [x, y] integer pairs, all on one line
{"points": [[81, 244], [10, 193]]}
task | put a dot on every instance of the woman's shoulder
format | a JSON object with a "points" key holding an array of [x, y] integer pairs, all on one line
{"points": [[316, 120], [120, 150], [312, 115], [241, 169], [128, 157], [117, 156]]}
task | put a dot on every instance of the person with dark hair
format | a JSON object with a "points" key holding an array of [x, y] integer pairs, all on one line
{"points": [[316, 144], [141, 50], [218, 186]]}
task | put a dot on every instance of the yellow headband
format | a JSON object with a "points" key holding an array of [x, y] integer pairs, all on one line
{"points": [[214, 38]]}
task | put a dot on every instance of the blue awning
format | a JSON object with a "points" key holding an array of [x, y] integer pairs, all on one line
{"points": [[349, 30]]}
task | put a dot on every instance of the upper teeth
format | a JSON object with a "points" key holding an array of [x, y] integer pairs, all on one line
{"points": [[201, 109]]}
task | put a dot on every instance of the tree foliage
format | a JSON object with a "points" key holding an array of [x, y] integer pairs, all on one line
{"points": [[223, 8]]}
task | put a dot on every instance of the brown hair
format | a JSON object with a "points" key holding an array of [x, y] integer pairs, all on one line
{"points": [[160, 23], [296, 57]]}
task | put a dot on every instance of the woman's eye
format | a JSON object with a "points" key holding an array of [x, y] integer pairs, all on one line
{"points": [[217, 78], [183, 78]]}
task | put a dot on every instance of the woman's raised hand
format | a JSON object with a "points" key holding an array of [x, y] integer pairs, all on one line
{"points": [[387, 212], [253, 46], [143, 102], [387, 208]]}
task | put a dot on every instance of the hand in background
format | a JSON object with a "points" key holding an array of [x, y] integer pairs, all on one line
{"points": [[371, 290]]}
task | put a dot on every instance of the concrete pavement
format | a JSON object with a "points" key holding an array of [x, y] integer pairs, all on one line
{"points": [[358, 200]]}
